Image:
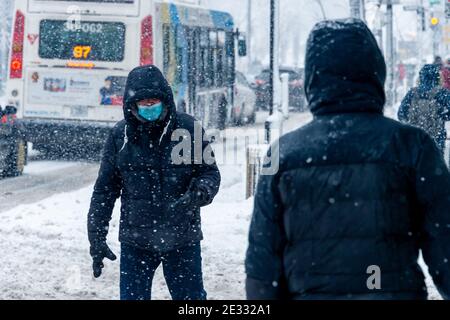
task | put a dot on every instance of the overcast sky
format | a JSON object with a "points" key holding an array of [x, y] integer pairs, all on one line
{"points": [[298, 18]]}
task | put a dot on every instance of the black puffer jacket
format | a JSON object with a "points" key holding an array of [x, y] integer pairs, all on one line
{"points": [[138, 166], [429, 84], [354, 189]]}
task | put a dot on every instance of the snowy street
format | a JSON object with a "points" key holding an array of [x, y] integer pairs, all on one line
{"points": [[45, 246], [42, 179], [44, 240], [157, 122]]}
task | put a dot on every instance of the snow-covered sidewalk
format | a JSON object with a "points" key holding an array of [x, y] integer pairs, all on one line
{"points": [[45, 251]]}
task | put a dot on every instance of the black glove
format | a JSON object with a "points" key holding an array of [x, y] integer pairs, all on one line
{"points": [[196, 196], [99, 251]]}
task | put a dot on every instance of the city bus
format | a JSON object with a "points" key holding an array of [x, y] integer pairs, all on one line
{"points": [[69, 62]]}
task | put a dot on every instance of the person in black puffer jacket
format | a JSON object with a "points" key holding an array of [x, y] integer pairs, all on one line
{"points": [[162, 166], [357, 195], [428, 105]]}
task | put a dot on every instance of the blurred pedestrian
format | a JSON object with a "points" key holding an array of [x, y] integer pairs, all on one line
{"points": [[438, 61], [428, 106], [446, 75]]}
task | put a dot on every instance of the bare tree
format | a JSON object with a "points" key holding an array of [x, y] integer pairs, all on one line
{"points": [[322, 9]]}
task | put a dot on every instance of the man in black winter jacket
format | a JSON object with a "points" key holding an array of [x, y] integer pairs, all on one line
{"points": [[162, 185], [357, 195]]}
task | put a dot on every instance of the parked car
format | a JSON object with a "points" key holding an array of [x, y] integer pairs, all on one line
{"points": [[13, 149], [296, 91], [244, 109]]}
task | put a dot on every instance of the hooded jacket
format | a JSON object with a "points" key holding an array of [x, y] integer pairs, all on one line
{"points": [[148, 167], [429, 81], [356, 196], [446, 76]]}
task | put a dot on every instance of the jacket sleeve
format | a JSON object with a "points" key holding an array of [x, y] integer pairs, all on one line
{"points": [[433, 192], [403, 111], [208, 174], [267, 240], [106, 191], [444, 100]]}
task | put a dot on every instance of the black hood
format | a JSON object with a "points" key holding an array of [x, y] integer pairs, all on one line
{"points": [[429, 77], [147, 82], [344, 69]]}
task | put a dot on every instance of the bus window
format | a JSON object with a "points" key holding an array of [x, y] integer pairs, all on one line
{"points": [[181, 54], [97, 41], [213, 38], [221, 38], [213, 57], [221, 59], [230, 56], [205, 61], [166, 49], [193, 54], [198, 56]]}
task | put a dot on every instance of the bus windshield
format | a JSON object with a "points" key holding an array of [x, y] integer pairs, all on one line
{"points": [[97, 41]]}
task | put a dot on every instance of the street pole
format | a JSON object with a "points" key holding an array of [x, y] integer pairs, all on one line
{"points": [[354, 8], [421, 28], [249, 33], [276, 59], [436, 43], [436, 38], [271, 67], [272, 55], [274, 88], [390, 52], [357, 9]]}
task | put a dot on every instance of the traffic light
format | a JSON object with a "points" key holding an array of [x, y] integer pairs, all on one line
{"points": [[434, 22]]}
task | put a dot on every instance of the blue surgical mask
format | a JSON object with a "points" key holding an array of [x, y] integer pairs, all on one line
{"points": [[151, 113]]}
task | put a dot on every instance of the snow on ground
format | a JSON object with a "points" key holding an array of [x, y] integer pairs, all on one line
{"points": [[45, 247], [40, 167], [44, 167], [45, 250]]}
